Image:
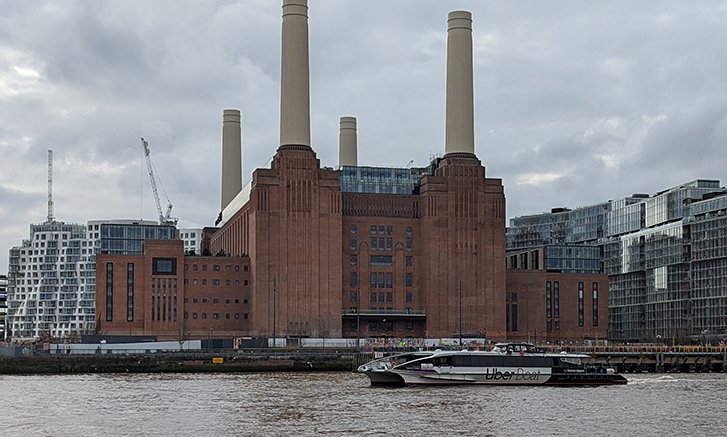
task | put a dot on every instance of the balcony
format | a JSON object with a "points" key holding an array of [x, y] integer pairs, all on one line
{"points": [[371, 314]]}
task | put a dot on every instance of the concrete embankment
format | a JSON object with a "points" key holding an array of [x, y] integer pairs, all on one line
{"points": [[178, 363]]}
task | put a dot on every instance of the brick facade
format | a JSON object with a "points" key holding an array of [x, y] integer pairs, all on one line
{"points": [[564, 318], [165, 294]]}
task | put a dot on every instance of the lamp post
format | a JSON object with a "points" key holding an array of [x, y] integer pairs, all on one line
{"points": [[358, 316], [460, 314], [275, 283]]}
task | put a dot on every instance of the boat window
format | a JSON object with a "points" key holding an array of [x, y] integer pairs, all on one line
{"points": [[571, 360]]}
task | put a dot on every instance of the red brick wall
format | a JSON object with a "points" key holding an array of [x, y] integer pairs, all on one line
{"points": [[530, 287]]}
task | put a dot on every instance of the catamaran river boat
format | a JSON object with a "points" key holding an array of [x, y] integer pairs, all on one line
{"points": [[505, 364]]}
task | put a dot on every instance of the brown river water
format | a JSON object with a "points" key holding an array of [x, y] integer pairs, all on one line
{"points": [[343, 403]]}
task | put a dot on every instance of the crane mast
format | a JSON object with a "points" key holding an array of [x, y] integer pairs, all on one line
{"points": [[51, 217], [163, 219]]}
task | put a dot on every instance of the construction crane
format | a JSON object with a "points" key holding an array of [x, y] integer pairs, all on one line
{"points": [[164, 219], [51, 217]]}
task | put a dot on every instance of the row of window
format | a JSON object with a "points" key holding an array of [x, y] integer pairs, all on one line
{"points": [[214, 300], [216, 267], [215, 282], [215, 316]]}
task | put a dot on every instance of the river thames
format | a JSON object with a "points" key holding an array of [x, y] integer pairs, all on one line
{"points": [[343, 403]]}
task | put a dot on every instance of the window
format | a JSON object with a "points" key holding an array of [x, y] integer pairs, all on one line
{"points": [[216, 268], [382, 280], [164, 266], [595, 303], [409, 231], [194, 315], [227, 300], [373, 279], [409, 279], [245, 282], [194, 300], [513, 317], [215, 282], [389, 280], [215, 300], [354, 260], [195, 267], [373, 229], [389, 230], [245, 268], [204, 267], [244, 316], [389, 297], [373, 296], [354, 229], [354, 244], [382, 296], [109, 292], [409, 244], [204, 316], [237, 316], [353, 297], [581, 306], [381, 260], [237, 300], [354, 279], [227, 282], [409, 296], [548, 301], [409, 261], [227, 316], [374, 240], [130, 292]]}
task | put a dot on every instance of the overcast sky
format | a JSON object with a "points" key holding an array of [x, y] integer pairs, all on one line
{"points": [[576, 102]]}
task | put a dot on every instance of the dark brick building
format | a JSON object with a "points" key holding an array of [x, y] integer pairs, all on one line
{"points": [[172, 296]]}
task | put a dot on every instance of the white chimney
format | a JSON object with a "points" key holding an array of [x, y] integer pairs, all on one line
{"points": [[231, 156], [347, 143], [459, 129], [294, 82]]}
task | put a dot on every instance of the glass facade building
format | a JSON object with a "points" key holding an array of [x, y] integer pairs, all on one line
{"points": [[382, 180], [665, 257]]}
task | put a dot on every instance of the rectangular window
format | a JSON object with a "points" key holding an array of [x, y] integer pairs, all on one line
{"points": [[409, 296], [373, 297], [581, 306], [513, 317], [382, 243], [373, 243], [354, 279], [165, 266], [109, 292], [354, 244], [373, 279], [354, 296], [409, 279], [548, 301], [354, 260], [409, 261], [409, 244], [382, 296], [389, 297], [381, 260], [556, 299], [373, 229], [216, 267], [595, 304], [130, 292], [382, 280], [389, 280]]}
